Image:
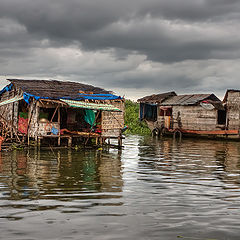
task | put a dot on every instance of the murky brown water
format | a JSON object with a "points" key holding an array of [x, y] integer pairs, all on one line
{"points": [[152, 189]]}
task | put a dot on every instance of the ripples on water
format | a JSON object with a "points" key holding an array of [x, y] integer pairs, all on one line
{"points": [[152, 189]]}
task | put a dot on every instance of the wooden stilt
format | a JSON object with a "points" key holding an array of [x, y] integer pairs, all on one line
{"points": [[36, 141], [39, 142], [119, 141], [70, 142], [59, 122]]}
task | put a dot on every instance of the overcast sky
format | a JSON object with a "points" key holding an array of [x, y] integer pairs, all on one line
{"points": [[133, 47]]}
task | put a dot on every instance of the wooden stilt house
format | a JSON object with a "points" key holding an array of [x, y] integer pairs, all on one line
{"points": [[195, 114], [60, 110]]}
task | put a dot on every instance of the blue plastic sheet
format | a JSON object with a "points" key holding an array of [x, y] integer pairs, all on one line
{"points": [[54, 131], [99, 96], [27, 96], [6, 89]]}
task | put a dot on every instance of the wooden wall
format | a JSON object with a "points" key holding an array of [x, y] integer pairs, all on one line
{"points": [[233, 110], [196, 118], [9, 111], [33, 119], [193, 118], [112, 122]]}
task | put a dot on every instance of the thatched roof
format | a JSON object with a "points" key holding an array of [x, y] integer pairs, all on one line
{"points": [[157, 98], [55, 89]]}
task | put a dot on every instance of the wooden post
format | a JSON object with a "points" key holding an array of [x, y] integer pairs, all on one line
{"points": [[119, 141], [11, 133], [39, 142], [36, 140], [69, 141], [30, 114], [59, 138]]}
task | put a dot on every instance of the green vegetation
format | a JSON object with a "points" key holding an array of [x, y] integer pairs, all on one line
{"points": [[132, 119]]}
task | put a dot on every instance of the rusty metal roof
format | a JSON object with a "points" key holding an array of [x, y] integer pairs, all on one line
{"points": [[157, 98], [192, 99]]}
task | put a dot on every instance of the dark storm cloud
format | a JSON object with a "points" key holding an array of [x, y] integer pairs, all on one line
{"points": [[132, 25], [198, 10], [158, 44]]}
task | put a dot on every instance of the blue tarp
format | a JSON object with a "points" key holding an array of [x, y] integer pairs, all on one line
{"points": [[27, 96], [6, 89], [99, 96]]}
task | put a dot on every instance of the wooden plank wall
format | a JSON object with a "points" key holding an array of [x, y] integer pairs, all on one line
{"points": [[112, 122], [233, 110], [33, 118], [193, 118], [10, 111]]}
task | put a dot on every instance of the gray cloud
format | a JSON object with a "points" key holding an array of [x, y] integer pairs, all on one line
{"points": [[136, 44]]}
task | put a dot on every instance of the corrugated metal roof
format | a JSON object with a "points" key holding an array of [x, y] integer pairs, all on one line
{"points": [[11, 100], [93, 106], [157, 98], [186, 99]]}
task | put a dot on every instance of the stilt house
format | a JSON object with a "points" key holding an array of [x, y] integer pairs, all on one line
{"points": [[60, 110], [195, 114]]}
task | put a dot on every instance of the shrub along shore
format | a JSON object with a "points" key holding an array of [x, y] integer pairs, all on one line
{"points": [[132, 119]]}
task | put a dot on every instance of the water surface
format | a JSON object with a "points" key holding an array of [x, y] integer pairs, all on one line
{"points": [[152, 189]]}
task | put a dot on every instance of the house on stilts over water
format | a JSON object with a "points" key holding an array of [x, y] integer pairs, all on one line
{"points": [[59, 112], [193, 114]]}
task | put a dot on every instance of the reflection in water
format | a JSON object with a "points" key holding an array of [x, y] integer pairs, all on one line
{"points": [[152, 189], [61, 175], [198, 157]]}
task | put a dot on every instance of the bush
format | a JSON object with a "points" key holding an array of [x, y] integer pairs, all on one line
{"points": [[132, 119]]}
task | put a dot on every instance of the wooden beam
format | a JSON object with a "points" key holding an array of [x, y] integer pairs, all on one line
{"points": [[59, 138]]}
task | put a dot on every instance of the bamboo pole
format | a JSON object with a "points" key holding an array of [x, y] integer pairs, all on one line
{"points": [[59, 119]]}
